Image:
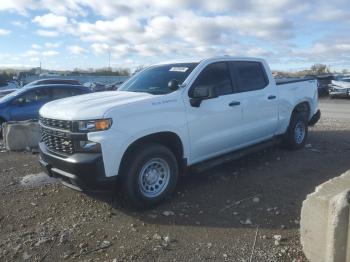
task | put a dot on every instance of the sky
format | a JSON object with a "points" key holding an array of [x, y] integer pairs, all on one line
{"points": [[67, 34]]}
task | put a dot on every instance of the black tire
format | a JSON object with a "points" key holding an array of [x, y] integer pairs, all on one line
{"points": [[137, 161], [1, 122], [292, 140]]}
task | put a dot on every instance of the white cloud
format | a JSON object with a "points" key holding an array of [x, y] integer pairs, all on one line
{"points": [[109, 30], [47, 33], [19, 24], [100, 48], [153, 29], [77, 50], [258, 52], [164, 36], [50, 53], [34, 59], [19, 6], [325, 12], [4, 32], [36, 46], [52, 45], [65, 7], [31, 53], [51, 21], [326, 51]]}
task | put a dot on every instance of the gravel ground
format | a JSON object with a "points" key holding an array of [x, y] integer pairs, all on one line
{"points": [[246, 210]]}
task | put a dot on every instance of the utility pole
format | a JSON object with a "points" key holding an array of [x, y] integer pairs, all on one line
{"points": [[109, 59]]}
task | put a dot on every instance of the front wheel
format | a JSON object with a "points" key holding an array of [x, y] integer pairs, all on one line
{"points": [[297, 132], [1, 122], [149, 175]]}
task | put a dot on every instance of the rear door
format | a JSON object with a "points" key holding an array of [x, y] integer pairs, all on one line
{"points": [[258, 98]]}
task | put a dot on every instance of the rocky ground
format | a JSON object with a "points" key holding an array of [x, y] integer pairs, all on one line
{"points": [[247, 210]]}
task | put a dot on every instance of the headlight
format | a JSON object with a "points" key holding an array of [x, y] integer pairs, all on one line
{"points": [[94, 125]]}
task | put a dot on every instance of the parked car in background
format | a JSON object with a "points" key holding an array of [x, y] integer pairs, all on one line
{"points": [[6, 85], [95, 86], [54, 81], [340, 88], [170, 117], [114, 86], [323, 82], [24, 104], [7, 91]]}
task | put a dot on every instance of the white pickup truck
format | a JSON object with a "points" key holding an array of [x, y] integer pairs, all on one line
{"points": [[168, 117]]}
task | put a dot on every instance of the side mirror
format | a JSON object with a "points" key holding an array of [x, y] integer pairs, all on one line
{"points": [[173, 85], [201, 93]]}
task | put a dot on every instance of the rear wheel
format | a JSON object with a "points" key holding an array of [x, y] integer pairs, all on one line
{"points": [[297, 132], [149, 175]]}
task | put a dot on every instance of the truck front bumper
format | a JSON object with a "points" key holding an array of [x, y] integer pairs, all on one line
{"points": [[80, 171], [315, 118]]}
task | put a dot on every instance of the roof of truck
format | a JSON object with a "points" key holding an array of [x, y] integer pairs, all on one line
{"points": [[209, 59]]}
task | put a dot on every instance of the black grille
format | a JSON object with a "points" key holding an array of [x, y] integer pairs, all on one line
{"points": [[60, 124], [57, 141]]}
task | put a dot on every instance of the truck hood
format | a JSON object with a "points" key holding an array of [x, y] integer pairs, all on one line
{"points": [[90, 106]]}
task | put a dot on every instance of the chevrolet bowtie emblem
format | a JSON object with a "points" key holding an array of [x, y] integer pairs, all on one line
{"points": [[65, 143]]}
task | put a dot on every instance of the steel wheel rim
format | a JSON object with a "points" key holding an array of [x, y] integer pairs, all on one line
{"points": [[299, 132], [154, 177]]}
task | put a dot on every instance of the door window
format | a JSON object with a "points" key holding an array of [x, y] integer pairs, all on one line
{"points": [[250, 76], [33, 96], [58, 93], [215, 75]]}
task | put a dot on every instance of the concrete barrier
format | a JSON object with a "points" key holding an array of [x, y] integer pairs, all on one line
{"points": [[21, 135], [324, 225]]}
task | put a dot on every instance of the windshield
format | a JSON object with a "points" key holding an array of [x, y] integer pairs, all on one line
{"points": [[346, 80], [154, 80]]}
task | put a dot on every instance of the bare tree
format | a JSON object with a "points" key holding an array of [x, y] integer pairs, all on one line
{"points": [[138, 69], [320, 69]]}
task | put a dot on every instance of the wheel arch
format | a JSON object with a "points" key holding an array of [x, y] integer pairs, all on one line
{"points": [[167, 138], [304, 108]]}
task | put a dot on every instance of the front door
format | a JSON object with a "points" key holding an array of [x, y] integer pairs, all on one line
{"points": [[215, 126], [27, 106]]}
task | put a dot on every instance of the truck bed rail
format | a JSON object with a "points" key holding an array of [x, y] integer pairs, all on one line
{"points": [[283, 81]]}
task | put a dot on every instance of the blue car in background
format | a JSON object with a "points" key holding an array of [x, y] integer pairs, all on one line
{"points": [[24, 104], [50, 81]]}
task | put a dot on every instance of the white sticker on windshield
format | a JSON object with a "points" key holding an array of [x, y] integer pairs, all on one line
{"points": [[179, 69]]}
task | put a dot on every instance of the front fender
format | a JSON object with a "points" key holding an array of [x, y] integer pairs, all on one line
{"points": [[114, 144]]}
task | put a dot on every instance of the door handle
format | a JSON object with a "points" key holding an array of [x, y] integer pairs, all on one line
{"points": [[271, 97], [234, 103]]}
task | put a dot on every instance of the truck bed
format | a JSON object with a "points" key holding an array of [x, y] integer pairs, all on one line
{"points": [[283, 81], [291, 92]]}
